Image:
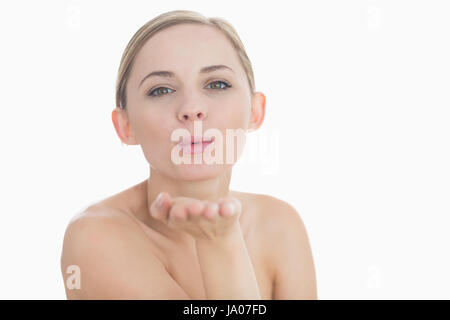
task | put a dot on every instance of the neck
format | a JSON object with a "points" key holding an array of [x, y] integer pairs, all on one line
{"points": [[208, 189]]}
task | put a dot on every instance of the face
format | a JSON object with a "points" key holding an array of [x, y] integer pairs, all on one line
{"points": [[158, 105]]}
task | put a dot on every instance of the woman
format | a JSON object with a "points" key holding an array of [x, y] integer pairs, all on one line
{"points": [[181, 233]]}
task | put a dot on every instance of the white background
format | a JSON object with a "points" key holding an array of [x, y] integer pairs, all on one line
{"points": [[357, 110]]}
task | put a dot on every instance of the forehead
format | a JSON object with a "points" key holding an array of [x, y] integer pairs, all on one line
{"points": [[185, 48]]}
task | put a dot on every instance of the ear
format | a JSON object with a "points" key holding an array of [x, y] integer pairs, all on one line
{"points": [[258, 111], [122, 126]]}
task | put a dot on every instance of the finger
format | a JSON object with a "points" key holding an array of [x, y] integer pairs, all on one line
{"points": [[195, 208], [160, 207], [178, 212], [211, 211], [237, 205], [227, 208]]}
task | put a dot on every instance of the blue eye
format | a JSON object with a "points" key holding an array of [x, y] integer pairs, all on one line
{"points": [[163, 90]]}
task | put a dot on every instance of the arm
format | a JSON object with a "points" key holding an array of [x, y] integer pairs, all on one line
{"points": [[295, 276], [115, 262], [226, 268]]}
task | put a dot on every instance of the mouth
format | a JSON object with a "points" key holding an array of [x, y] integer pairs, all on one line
{"points": [[195, 144], [195, 140]]}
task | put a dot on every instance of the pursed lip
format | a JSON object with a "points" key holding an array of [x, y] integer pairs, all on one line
{"points": [[193, 140]]}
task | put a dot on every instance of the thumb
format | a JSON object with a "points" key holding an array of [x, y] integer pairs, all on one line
{"points": [[160, 207]]}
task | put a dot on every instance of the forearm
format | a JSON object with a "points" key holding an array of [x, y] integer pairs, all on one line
{"points": [[226, 268]]}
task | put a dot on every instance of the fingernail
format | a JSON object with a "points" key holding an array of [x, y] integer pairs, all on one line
{"points": [[232, 207], [159, 200]]}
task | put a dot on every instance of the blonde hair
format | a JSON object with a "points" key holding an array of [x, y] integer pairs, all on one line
{"points": [[166, 20]]}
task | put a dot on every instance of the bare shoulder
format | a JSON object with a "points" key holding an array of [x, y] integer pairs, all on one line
{"points": [[273, 212], [284, 234], [268, 219], [274, 217], [109, 258]]}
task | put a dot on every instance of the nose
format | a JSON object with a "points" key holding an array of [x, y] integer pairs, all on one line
{"points": [[197, 113]]}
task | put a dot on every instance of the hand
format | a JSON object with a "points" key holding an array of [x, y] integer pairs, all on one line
{"points": [[201, 219]]}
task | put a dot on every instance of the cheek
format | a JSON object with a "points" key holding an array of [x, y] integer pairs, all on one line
{"points": [[240, 110], [232, 112], [149, 126], [240, 116], [153, 136]]}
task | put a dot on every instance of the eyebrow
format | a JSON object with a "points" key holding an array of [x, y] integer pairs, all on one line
{"points": [[170, 74]]}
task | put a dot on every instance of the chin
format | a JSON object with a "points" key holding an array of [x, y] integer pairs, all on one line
{"points": [[192, 172]]}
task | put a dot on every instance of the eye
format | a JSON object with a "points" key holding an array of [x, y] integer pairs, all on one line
{"points": [[157, 90], [160, 91], [226, 85]]}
